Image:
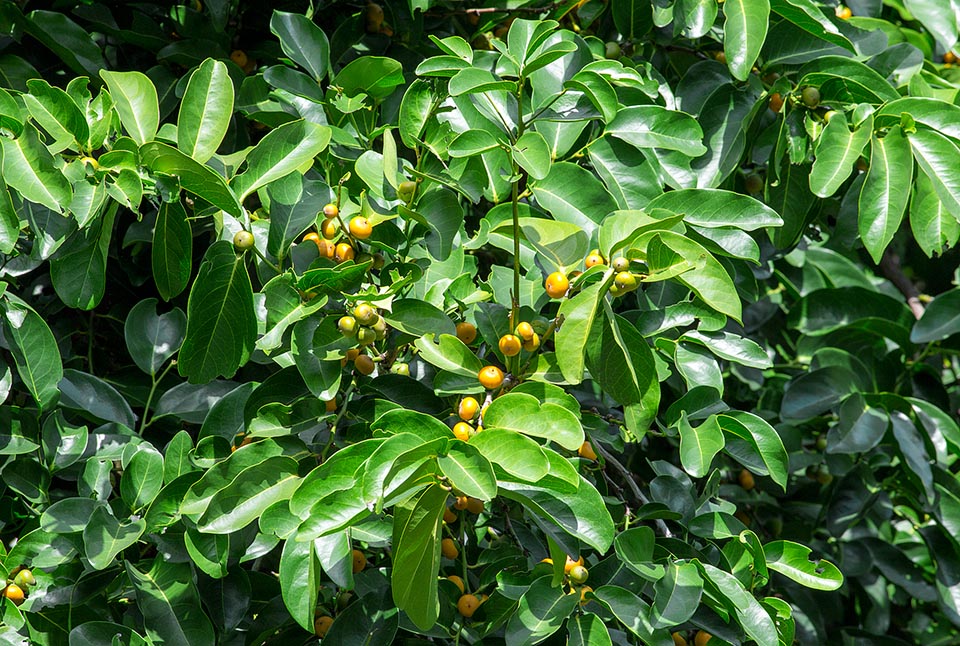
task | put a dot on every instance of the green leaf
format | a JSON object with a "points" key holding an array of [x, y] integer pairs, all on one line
{"points": [[68, 40], [104, 537], [598, 90], [738, 601], [300, 581], [542, 610], [242, 501], [699, 445], [652, 126], [35, 351], [79, 268], [676, 595], [710, 207], [837, 152], [572, 194], [940, 320], [135, 98], [205, 110], [444, 215], [939, 157], [841, 78], [176, 457], [194, 177], [305, 44], [29, 168], [633, 612], [532, 154], [632, 18], [562, 244], [282, 151], [762, 440], [744, 30], [793, 561], [57, 112], [418, 318], [94, 633], [221, 321], [86, 392], [171, 255], [469, 471], [142, 477], [886, 190], [933, 226], [513, 452], [449, 354], [375, 76], [170, 604], [417, 526], [578, 315], [588, 630], [415, 111], [525, 414], [809, 16], [634, 547]]}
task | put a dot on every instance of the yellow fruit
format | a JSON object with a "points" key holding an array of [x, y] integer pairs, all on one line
{"points": [[746, 480], [321, 625], [365, 314], [460, 503], [533, 343], [343, 252], [360, 227], [583, 595], [593, 259], [449, 548], [331, 210], [329, 229], [457, 581], [578, 574], [474, 505], [556, 285], [449, 516], [468, 408], [239, 57], [510, 345], [462, 431], [586, 451], [678, 639], [620, 264], [570, 564], [14, 593], [467, 605], [525, 331], [702, 638], [359, 561], [491, 377], [466, 332]]}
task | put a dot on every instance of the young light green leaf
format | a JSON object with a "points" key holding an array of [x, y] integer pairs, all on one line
{"points": [[135, 98], [205, 110], [282, 151], [837, 151], [793, 561]]}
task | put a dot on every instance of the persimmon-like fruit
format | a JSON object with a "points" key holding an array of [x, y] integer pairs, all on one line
{"points": [[239, 57], [556, 285], [449, 516], [331, 210], [620, 264], [509, 345], [949, 58], [776, 102], [586, 451], [467, 605], [583, 595], [347, 325], [14, 593], [578, 574], [406, 190], [448, 548], [365, 314], [343, 252], [360, 227], [474, 505], [468, 408], [462, 431], [457, 581], [24, 578], [321, 625], [364, 364], [593, 259], [359, 561], [525, 331], [753, 183], [702, 638], [461, 503], [466, 332], [570, 564], [532, 343], [611, 50], [366, 336], [678, 639], [491, 377], [810, 97], [746, 480], [400, 368], [625, 281], [329, 229], [844, 13], [327, 249], [331, 405]]}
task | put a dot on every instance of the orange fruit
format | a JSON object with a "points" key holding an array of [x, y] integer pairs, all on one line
{"points": [[510, 345], [467, 605], [331, 405], [776, 102], [468, 408], [327, 249], [586, 451], [844, 13], [329, 229], [461, 503], [491, 377], [593, 259], [343, 252], [360, 227], [457, 581], [239, 57], [525, 331], [364, 364], [449, 516], [14, 592], [331, 210], [746, 480], [533, 343], [311, 237], [678, 639], [449, 548], [556, 285], [359, 561], [702, 638], [949, 58], [583, 594], [570, 564], [322, 624], [474, 505], [466, 332]]}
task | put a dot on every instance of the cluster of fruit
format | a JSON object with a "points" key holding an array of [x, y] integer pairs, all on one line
{"points": [[322, 619], [18, 585], [468, 603], [367, 326], [523, 338], [359, 228]]}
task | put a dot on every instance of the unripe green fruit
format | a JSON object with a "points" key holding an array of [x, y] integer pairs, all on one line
{"points": [[400, 369], [25, 579], [406, 190], [380, 328], [611, 50], [578, 574], [810, 97], [366, 336], [347, 325], [243, 240], [365, 314], [753, 183], [625, 281], [620, 264]]}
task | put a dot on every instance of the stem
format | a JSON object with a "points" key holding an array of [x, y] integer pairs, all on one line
{"points": [[153, 389], [631, 483]]}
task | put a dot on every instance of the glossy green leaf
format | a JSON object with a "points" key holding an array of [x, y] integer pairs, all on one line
{"points": [[29, 168], [194, 177], [142, 477], [418, 318], [93, 633], [300, 581], [105, 537], [934, 228], [79, 269], [632, 17], [170, 603], [652, 126], [417, 528], [513, 452], [676, 595], [938, 157], [450, 354], [415, 111], [57, 112], [205, 111], [304, 43], [35, 351], [543, 608], [588, 630], [221, 322], [135, 98], [242, 501], [469, 471], [532, 154], [96, 397], [524, 414], [793, 561], [886, 190], [578, 314], [940, 320], [376, 76], [172, 252], [699, 445], [632, 612], [66, 39], [572, 194], [837, 151], [282, 151], [744, 31], [741, 603], [762, 440]]}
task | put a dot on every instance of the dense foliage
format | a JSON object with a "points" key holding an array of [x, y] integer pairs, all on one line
{"points": [[573, 323]]}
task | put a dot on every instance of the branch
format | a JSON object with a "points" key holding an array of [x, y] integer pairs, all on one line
{"points": [[890, 266], [631, 484]]}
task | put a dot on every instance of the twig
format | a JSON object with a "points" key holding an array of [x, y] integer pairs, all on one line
{"points": [[631, 484], [890, 266]]}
